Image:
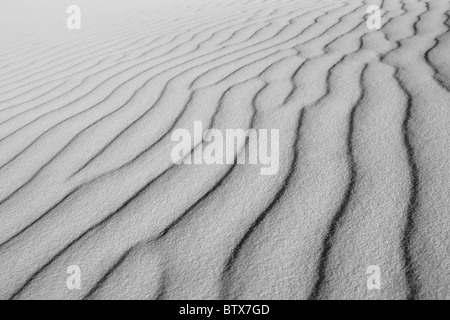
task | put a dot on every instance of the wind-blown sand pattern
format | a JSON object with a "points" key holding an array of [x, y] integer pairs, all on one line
{"points": [[86, 118]]}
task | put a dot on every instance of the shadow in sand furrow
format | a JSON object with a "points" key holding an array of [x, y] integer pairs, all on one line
{"points": [[327, 92], [112, 141], [103, 221], [234, 276], [225, 78], [344, 207], [174, 28], [338, 218], [230, 263], [361, 7], [41, 95], [177, 221], [6, 242], [173, 39], [218, 224], [92, 91], [410, 269], [107, 275], [173, 224], [410, 265], [140, 153], [118, 284], [420, 256], [412, 205], [122, 240], [339, 215], [243, 67], [443, 81], [105, 174], [72, 192]]}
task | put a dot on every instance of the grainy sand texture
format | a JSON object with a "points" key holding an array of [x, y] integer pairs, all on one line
{"points": [[87, 179]]}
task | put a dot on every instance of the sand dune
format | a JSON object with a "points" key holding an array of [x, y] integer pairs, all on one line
{"points": [[86, 118]]}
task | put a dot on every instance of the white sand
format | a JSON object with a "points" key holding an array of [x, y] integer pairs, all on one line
{"points": [[87, 179]]}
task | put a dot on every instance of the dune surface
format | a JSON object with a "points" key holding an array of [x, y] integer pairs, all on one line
{"points": [[87, 180]]}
